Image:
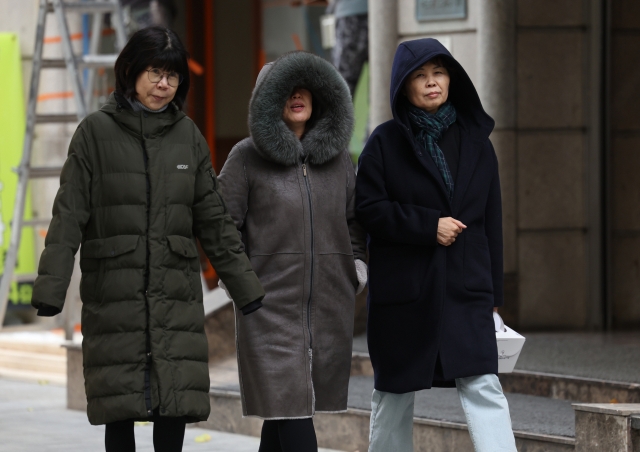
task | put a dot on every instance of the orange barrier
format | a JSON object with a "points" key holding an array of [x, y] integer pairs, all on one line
{"points": [[76, 36], [58, 95]]}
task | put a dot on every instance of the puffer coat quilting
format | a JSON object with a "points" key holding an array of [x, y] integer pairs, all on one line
{"points": [[136, 191]]}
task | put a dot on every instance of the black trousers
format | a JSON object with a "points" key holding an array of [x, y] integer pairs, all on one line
{"points": [[168, 435], [288, 435]]}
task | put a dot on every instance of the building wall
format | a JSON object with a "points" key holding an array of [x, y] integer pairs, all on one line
{"points": [[554, 95], [551, 160], [624, 152]]}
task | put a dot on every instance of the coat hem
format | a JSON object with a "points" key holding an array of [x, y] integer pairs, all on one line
{"points": [[284, 418]]}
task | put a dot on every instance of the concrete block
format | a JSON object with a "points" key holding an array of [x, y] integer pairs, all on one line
{"points": [[76, 396], [625, 89], [601, 427], [546, 13], [575, 389], [553, 280], [625, 183], [625, 14], [635, 433], [626, 280], [504, 143], [551, 180], [551, 79]]}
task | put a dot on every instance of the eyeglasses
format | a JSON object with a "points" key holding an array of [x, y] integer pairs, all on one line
{"points": [[173, 78]]}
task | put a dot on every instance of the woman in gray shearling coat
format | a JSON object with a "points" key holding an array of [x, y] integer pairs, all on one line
{"points": [[290, 190]]}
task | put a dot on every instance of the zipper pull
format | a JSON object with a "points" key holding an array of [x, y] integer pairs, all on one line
{"points": [[304, 170]]}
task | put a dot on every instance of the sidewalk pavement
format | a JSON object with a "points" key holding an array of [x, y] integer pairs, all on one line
{"points": [[34, 418]]}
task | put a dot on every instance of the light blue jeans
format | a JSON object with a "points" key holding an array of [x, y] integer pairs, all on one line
{"points": [[485, 408]]}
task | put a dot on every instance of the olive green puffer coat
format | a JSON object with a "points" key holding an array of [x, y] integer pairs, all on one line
{"points": [[136, 190]]}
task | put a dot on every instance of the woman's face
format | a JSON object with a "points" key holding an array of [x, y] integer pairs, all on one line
{"points": [[298, 109], [155, 95], [428, 86]]}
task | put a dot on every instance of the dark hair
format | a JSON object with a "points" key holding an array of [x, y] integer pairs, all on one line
{"points": [[443, 61], [157, 47]]}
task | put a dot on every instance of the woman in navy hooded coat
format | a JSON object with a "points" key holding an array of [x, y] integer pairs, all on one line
{"points": [[428, 194]]}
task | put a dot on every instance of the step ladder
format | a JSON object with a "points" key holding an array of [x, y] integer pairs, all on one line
{"points": [[83, 99]]}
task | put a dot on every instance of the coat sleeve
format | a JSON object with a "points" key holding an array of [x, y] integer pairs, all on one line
{"points": [[493, 230], [71, 211], [386, 218], [235, 186], [357, 233], [218, 235]]}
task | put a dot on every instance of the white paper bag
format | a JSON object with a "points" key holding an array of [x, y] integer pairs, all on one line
{"points": [[509, 345]]}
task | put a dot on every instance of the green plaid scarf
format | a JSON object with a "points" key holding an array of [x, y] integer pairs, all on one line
{"points": [[430, 128]]}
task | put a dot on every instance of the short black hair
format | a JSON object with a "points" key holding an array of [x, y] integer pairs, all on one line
{"points": [[157, 47]]}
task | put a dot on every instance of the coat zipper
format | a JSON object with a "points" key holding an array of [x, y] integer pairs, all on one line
{"points": [[147, 369], [306, 183]]}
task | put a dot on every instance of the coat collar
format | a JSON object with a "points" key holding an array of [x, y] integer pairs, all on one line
{"points": [[153, 124]]}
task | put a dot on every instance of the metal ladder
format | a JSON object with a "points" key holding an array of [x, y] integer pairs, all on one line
{"points": [[82, 96]]}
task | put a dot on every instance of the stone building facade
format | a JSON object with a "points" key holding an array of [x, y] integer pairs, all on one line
{"points": [[561, 80]]}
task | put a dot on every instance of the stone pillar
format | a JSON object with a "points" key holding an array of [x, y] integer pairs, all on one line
{"points": [[497, 89], [383, 40], [606, 426]]}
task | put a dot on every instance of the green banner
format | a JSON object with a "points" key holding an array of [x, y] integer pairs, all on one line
{"points": [[12, 127]]}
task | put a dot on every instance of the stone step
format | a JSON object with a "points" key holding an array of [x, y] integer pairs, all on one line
{"points": [[33, 362], [540, 424], [554, 386], [586, 368], [37, 376], [34, 347]]}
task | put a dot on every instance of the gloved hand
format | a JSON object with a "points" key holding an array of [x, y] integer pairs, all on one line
{"points": [[361, 271]]}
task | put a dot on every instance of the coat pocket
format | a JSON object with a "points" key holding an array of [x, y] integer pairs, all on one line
{"points": [[477, 263], [396, 273], [183, 273], [98, 255], [185, 248]]}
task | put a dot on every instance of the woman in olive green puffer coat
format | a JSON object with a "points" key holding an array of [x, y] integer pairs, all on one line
{"points": [[136, 191]]}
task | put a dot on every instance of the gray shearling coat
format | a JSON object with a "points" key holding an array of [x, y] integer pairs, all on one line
{"points": [[293, 203]]}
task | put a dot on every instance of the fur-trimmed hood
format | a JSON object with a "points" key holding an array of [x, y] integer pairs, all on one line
{"points": [[333, 118]]}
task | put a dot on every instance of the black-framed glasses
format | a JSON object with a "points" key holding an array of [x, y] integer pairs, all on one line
{"points": [[173, 78]]}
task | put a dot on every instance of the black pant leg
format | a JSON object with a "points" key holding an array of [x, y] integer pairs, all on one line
{"points": [[119, 437], [270, 438], [297, 435], [168, 434]]}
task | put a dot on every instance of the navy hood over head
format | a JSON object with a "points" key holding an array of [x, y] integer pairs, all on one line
{"points": [[410, 55], [430, 306]]}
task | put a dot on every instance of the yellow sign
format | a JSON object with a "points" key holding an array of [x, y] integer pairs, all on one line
{"points": [[12, 128]]}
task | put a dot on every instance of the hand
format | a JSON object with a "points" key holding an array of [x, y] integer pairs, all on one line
{"points": [[495, 309], [448, 230]]}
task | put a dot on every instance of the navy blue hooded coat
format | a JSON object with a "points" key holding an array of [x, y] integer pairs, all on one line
{"points": [[427, 300]]}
